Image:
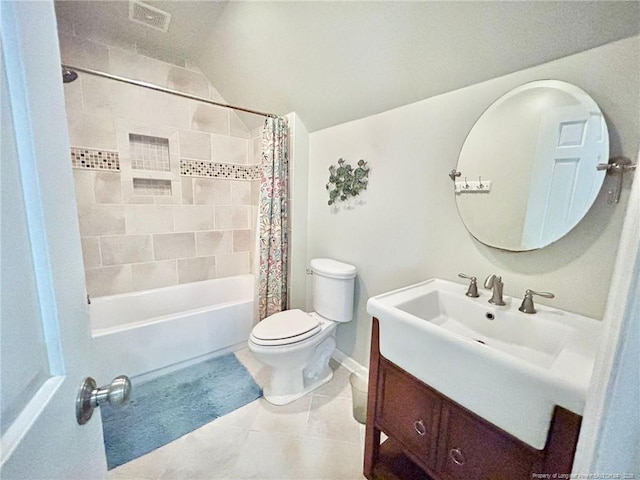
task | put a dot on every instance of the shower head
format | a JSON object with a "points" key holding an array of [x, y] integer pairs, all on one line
{"points": [[68, 76]]}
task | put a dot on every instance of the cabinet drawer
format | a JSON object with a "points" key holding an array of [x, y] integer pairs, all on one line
{"points": [[409, 412], [475, 450]]}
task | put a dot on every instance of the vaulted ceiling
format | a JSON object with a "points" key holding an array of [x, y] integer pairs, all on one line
{"points": [[332, 62]]}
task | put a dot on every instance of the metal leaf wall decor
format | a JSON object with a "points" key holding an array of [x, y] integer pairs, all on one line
{"points": [[346, 181]]}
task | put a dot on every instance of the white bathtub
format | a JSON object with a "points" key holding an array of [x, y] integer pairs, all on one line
{"points": [[142, 334]]}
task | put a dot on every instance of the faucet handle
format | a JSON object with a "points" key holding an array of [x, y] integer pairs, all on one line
{"points": [[527, 305], [472, 291], [540, 294]]}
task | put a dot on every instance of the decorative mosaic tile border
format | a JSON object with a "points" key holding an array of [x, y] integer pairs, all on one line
{"points": [[196, 168], [95, 159], [92, 159]]}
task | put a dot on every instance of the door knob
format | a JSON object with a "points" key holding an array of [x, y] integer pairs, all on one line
{"points": [[90, 397]]}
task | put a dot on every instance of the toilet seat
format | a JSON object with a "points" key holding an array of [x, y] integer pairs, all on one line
{"points": [[284, 328]]}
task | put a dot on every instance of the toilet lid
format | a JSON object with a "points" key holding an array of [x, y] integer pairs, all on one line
{"points": [[285, 327]]}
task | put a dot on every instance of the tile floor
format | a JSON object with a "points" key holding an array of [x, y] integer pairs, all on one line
{"points": [[314, 437]]}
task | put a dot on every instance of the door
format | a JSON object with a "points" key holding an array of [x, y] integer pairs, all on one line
{"points": [[45, 336], [564, 179]]}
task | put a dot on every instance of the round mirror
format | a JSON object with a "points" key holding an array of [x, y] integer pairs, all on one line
{"points": [[527, 170]]}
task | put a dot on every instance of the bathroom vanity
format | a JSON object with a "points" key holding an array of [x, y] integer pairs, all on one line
{"points": [[432, 437], [467, 389]]}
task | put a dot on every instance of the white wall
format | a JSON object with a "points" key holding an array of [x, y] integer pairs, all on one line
{"points": [[408, 228], [298, 205], [359, 58]]}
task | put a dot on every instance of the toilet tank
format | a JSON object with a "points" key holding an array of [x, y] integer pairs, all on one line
{"points": [[332, 289]]}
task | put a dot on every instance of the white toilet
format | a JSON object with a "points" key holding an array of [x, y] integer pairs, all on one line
{"points": [[297, 346]]}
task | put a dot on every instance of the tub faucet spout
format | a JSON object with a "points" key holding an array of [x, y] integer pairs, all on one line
{"points": [[494, 282]]}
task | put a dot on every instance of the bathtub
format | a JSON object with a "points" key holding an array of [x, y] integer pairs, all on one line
{"points": [[144, 334]]}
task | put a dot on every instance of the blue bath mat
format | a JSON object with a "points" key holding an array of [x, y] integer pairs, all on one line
{"points": [[173, 405]]}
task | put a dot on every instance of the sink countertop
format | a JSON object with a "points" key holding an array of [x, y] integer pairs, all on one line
{"points": [[527, 363]]}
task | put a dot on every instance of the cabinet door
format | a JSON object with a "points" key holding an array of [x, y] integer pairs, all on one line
{"points": [[409, 412], [474, 450]]}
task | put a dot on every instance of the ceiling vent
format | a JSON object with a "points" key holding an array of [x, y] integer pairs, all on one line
{"points": [[150, 16]]}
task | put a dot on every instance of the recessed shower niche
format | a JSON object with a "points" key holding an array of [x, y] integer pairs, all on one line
{"points": [[152, 187], [149, 153], [150, 165]]}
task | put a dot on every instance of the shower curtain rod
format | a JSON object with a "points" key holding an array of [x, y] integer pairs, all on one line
{"points": [[163, 89]]}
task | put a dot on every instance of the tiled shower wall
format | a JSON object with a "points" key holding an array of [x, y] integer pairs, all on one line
{"points": [[167, 188]]}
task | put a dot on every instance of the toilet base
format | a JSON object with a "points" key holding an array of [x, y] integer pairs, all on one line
{"points": [[284, 399], [289, 384]]}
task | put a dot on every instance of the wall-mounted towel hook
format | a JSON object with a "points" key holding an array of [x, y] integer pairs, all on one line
{"points": [[480, 185], [453, 174], [466, 184]]}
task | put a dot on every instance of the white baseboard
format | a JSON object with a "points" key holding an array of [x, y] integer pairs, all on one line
{"points": [[348, 362]]}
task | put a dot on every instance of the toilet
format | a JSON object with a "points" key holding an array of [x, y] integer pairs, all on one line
{"points": [[297, 346]]}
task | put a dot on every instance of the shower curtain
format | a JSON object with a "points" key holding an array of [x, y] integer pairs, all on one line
{"points": [[273, 218]]}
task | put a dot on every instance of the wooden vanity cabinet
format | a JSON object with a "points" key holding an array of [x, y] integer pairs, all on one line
{"points": [[409, 412], [472, 450], [431, 437]]}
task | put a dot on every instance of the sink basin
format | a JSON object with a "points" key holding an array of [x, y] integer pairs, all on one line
{"points": [[534, 339], [509, 367]]}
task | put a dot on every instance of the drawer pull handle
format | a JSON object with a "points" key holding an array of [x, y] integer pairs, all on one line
{"points": [[419, 427], [456, 456]]}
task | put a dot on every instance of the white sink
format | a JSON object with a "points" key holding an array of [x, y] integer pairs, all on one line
{"points": [[509, 367]]}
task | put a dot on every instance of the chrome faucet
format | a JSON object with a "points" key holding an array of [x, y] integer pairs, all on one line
{"points": [[527, 302], [494, 282]]}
